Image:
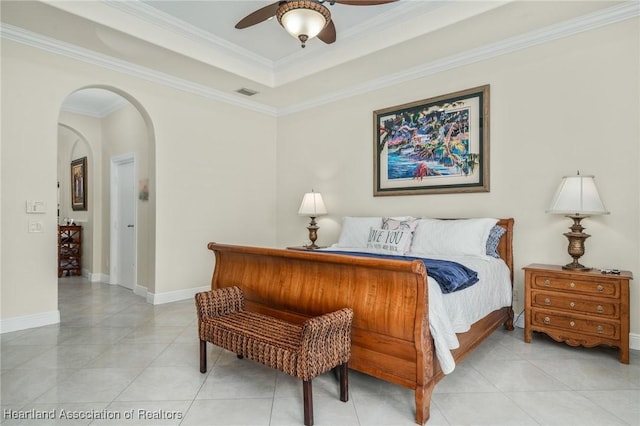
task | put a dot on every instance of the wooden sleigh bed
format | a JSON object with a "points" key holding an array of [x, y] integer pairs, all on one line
{"points": [[389, 298]]}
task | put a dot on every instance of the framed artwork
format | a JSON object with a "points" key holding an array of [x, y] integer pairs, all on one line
{"points": [[434, 146], [79, 184], [143, 189]]}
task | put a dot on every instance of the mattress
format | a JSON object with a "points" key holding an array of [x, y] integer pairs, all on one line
{"points": [[455, 312]]}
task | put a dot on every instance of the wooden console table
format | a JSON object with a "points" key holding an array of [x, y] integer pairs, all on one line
{"points": [[69, 249]]}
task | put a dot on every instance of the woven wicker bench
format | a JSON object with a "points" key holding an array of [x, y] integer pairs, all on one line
{"points": [[302, 350]]}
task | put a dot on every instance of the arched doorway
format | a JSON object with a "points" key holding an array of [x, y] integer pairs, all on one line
{"points": [[113, 124], [73, 147]]}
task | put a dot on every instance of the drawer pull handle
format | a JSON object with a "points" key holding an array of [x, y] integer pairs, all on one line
{"points": [[572, 324], [572, 285], [547, 301], [572, 304], [547, 320], [600, 288], [600, 309], [600, 329], [547, 283]]}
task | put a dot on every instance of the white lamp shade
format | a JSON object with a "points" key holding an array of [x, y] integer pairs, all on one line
{"points": [[303, 21], [312, 205], [577, 195]]}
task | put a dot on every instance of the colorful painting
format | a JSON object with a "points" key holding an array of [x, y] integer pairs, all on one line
{"points": [[438, 145], [79, 184]]}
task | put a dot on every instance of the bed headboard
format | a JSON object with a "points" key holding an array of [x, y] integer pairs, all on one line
{"points": [[505, 246]]}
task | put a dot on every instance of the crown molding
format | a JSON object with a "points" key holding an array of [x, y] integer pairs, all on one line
{"points": [[303, 62], [611, 15], [168, 22], [245, 62], [414, 19], [38, 41], [105, 111]]}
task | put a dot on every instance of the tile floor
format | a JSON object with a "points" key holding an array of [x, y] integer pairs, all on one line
{"points": [[119, 359]]}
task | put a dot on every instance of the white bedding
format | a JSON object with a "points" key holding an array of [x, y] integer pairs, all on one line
{"points": [[455, 312]]}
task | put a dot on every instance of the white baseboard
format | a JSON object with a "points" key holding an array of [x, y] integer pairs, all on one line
{"points": [[140, 290], [98, 278], [634, 341], [174, 296], [29, 321]]}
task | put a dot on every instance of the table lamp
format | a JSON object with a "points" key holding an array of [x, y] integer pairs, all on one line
{"points": [[312, 206], [577, 197]]}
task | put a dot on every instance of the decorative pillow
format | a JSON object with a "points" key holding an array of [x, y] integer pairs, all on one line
{"points": [[392, 241], [494, 238], [452, 237], [405, 223], [355, 231]]}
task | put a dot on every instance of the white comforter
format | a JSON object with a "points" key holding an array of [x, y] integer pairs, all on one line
{"points": [[455, 312]]}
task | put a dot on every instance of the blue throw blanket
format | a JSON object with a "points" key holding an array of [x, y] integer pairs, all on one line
{"points": [[451, 276]]}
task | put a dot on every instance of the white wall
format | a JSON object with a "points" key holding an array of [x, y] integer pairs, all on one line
{"points": [[569, 105]]}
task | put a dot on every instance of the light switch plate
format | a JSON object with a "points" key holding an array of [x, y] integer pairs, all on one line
{"points": [[36, 207]]}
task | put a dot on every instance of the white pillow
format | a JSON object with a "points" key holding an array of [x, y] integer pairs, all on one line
{"points": [[407, 223], [392, 241], [452, 237], [355, 231]]}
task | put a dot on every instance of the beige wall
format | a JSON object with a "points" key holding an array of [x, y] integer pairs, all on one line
{"points": [[71, 146], [85, 133], [556, 108], [125, 132], [207, 185]]}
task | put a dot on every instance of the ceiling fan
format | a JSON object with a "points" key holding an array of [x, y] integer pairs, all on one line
{"points": [[304, 19]]}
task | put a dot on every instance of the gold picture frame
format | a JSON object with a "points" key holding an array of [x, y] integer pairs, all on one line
{"points": [[79, 184], [433, 146]]}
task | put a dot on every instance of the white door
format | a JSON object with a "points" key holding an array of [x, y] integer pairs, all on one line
{"points": [[123, 222]]}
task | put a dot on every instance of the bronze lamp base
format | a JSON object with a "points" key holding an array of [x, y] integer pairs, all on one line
{"points": [[313, 233], [576, 243]]}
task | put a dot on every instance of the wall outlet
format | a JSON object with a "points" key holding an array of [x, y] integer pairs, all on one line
{"points": [[35, 226], [516, 295]]}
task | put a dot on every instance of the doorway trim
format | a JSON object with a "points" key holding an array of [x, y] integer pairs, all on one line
{"points": [[114, 236]]}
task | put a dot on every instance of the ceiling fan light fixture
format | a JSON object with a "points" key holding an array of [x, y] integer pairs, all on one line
{"points": [[303, 19]]}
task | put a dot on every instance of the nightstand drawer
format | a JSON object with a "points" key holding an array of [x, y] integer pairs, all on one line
{"points": [[605, 288], [594, 327], [581, 308], [572, 303]]}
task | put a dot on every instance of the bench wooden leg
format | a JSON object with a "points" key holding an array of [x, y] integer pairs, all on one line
{"points": [[344, 382], [203, 356], [307, 396]]}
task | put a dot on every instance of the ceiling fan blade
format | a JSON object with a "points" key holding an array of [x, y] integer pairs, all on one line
{"points": [[258, 16], [328, 33], [364, 2]]}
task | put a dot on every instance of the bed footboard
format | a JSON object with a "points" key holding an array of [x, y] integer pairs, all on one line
{"points": [[389, 299]]}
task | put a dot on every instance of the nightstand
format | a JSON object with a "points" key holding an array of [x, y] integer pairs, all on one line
{"points": [[580, 308]]}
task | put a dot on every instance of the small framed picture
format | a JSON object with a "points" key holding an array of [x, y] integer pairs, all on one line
{"points": [[79, 184]]}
